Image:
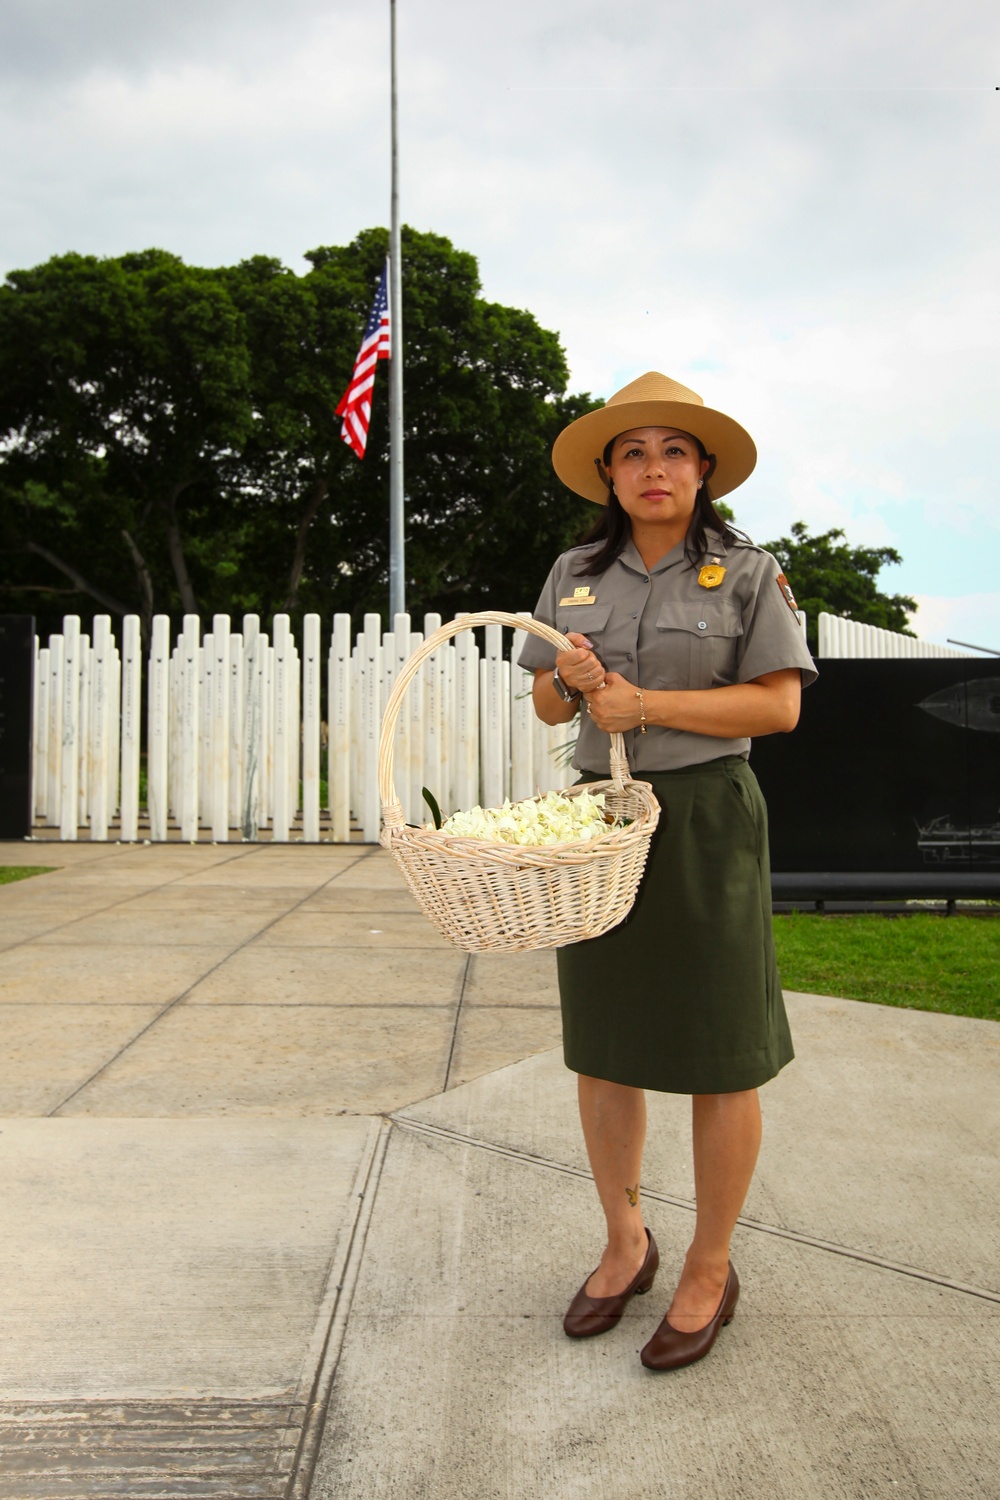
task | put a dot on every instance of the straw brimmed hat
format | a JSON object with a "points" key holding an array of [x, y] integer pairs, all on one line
{"points": [[653, 400]]}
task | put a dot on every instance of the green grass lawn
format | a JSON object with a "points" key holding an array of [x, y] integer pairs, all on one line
{"points": [[21, 872], [925, 962]]}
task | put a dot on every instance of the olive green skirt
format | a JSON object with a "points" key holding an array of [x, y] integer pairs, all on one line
{"points": [[683, 996]]}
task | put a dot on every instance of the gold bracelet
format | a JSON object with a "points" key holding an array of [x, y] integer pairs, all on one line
{"points": [[642, 711]]}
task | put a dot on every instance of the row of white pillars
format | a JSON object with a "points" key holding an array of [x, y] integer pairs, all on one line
{"points": [[78, 727], [234, 731], [850, 638]]}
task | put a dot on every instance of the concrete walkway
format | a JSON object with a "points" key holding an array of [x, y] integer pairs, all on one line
{"points": [[295, 1198]]}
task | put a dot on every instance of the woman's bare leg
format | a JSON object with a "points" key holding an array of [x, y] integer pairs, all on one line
{"points": [[614, 1128], [726, 1131]]}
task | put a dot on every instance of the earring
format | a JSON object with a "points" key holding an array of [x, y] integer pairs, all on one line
{"points": [[700, 483]]}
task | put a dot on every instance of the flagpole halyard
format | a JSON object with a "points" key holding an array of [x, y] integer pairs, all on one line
{"points": [[397, 576]]}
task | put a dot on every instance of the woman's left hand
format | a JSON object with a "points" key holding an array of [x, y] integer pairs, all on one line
{"points": [[614, 707]]}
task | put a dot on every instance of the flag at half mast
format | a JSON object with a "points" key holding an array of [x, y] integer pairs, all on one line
{"points": [[356, 403]]}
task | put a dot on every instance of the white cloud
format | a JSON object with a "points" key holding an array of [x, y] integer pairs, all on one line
{"points": [[971, 618], [783, 205], [46, 42]]}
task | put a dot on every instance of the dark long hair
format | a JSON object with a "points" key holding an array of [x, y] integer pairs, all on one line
{"points": [[614, 528]]}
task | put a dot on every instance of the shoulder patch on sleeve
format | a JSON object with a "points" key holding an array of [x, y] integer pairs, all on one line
{"points": [[786, 589]]}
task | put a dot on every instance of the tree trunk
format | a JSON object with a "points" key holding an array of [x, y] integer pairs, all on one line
{"points": [[145, 585], [77, 579], [175, 547], [320, 491]]}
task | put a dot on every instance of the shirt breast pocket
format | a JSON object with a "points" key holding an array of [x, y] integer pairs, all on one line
{"points": [[698, 643], [590, 620]]}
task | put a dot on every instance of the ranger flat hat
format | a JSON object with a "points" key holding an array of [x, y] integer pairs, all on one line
{"points": [[654, 400]]}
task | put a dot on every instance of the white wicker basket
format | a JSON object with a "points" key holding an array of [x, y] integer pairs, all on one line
{"points": [[490, 897]]}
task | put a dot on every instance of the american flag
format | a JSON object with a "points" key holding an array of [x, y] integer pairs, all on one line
{"points": [[356, 402]]}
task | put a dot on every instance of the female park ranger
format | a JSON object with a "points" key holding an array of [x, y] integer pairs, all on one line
{"points": [[683, 636]]}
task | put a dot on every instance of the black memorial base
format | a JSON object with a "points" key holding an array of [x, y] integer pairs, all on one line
{"points": [[890, 786], [17, 662]]}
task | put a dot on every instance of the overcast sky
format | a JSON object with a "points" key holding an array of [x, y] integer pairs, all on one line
{"points": [[791, 206]]}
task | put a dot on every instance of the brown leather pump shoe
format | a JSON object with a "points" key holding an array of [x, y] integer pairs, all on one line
{"points": [[590, 1315], [669, 1349]]}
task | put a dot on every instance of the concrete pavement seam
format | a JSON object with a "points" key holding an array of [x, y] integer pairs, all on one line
{"points": [[325, 1005], [813, 1242], [100, 850], [184, 993], [113, 905], [312, 1005], [343, 1279], [458, 1016]]}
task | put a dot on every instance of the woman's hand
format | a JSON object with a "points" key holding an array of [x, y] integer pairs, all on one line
{"points": [[615, 707], [580, 669]]}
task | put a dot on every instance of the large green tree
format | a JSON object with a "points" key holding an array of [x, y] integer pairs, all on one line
{"points": [[168, 443], [830, 575], [168, 439], [486, 513], [124, 387]]}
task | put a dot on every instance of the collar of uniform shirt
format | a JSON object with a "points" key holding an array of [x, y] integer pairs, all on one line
{"points": [[629, 556]]}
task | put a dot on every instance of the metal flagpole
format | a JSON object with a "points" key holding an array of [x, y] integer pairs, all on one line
{"points": [[397, 575]]}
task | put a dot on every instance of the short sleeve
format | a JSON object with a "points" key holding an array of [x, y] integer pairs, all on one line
{"points": [[538, 655], [773, 638]]}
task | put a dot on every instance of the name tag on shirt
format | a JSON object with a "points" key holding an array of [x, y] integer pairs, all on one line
{"points": [[580, 596]]}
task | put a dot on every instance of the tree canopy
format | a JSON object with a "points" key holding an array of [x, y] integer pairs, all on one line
{"points": [[168, 444], [828, 575], [168, 439]]}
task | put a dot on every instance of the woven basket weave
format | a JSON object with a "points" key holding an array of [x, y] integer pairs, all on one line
{"points": [[489, 897]]}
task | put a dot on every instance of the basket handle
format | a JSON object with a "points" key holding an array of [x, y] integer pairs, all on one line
{"points": [[392, 810]]}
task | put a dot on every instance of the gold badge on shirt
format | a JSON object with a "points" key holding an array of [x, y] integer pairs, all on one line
{"points": [[711, 576], [580, 596]]}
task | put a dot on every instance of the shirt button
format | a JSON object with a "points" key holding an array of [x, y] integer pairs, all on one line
{"points": [[636, 615], [628, 656], [702, 624], [645, 580]]}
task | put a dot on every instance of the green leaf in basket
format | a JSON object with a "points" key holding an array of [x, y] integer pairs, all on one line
{"points": [[432, 803]]}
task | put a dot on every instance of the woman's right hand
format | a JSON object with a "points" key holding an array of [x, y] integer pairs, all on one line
{"points": [[580, 669]]}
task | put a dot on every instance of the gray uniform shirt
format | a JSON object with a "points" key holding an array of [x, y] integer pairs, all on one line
{"points": [[664, 629]]}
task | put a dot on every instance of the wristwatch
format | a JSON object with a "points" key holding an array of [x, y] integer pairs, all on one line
{"points": [[566, 694]]}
